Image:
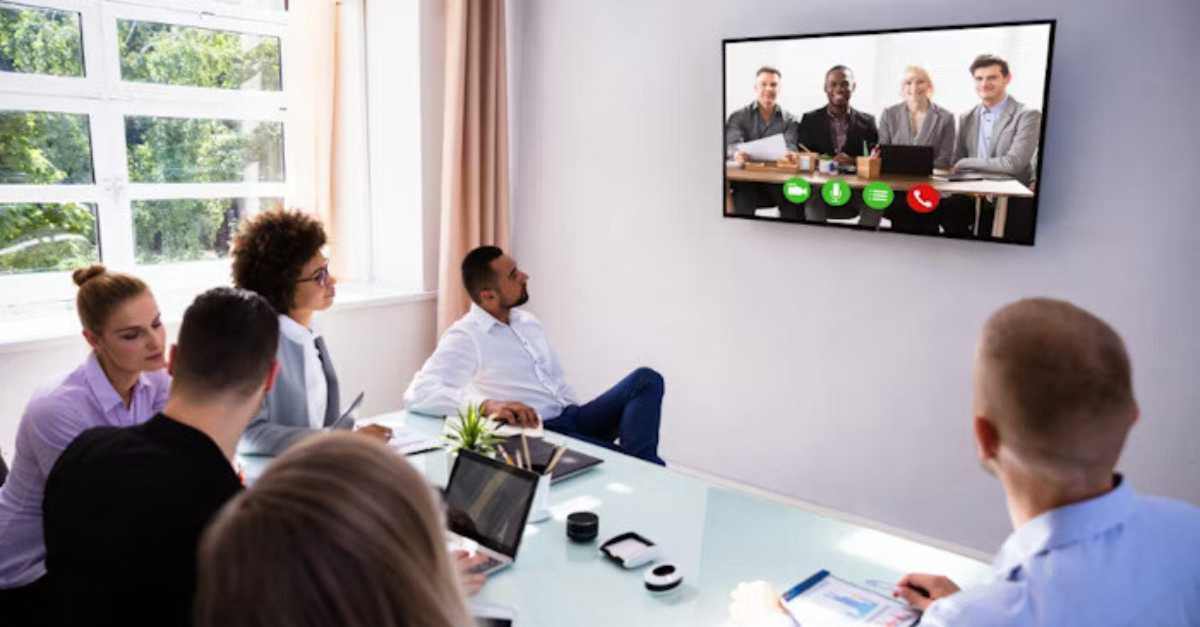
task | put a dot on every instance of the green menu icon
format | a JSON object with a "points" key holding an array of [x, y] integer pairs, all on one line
{"points": [[878, 195]]}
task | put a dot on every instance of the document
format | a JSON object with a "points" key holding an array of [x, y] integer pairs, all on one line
{"points": [[826, 600], [410, 443], [769, 148]]}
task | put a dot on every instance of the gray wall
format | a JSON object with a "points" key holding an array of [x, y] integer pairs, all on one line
{"points": [[833, 366]]}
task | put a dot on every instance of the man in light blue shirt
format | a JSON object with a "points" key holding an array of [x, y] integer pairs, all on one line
{"points": [[1053, 405]]}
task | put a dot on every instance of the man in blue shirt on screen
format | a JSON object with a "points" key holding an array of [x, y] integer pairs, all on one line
{"points": [[1053, 404]]}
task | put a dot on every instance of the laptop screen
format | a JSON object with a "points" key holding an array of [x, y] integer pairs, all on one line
{"points": [[488, 501]]}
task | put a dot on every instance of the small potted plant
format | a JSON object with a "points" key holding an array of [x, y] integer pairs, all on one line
{"points": [[473, 432]]}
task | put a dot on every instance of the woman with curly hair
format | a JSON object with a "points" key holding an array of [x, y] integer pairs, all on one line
{"points": [[278, 255]]}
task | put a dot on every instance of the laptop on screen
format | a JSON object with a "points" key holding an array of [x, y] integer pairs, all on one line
{"points": [[901, 159], [488, 502]]}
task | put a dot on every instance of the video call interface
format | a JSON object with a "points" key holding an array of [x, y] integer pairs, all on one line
{"points": [[929, 132]]}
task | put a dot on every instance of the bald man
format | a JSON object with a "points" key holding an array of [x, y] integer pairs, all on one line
{"points": [[1053, 404]]}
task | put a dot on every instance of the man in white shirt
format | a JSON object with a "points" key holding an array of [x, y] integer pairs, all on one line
{"points": [[1053, 404], [499, 357]]}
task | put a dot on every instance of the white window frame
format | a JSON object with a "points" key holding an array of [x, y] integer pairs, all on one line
{"points": [[107, 100]]}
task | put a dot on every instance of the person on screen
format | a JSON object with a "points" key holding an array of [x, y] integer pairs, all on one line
{"points": [[124, 507], [761, 118], [278, 254], [122, 382], [997, 136], [498, 356], [338, 531], [842, 132], [1053, 405], [917, 121]]}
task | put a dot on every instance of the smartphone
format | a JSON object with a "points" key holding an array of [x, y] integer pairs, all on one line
{"points": [[493, 615]]}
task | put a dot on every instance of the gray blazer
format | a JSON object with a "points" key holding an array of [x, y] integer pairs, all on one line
{"points": [[283, 418], [937, 130], [1013, 142]]}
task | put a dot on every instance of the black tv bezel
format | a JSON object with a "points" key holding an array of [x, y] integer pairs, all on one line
{"points": [[1052, 22]]}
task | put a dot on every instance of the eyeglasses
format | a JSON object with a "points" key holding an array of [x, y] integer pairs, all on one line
{"points": [[321, 276]]}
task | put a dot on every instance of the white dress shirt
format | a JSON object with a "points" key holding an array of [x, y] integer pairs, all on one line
{"points": [[314, 375], [1118, 559], [480, 358]]}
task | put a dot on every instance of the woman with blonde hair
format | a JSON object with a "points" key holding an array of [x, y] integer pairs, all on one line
{"points": [[123, 382], [917, 121], [339, 531]]}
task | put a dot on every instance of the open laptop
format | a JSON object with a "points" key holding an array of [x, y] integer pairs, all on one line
{"points": [[572, 463], [488, 501], [910, 160]]}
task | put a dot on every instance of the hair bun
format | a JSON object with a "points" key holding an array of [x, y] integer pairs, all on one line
{"points": [[83, 275]]}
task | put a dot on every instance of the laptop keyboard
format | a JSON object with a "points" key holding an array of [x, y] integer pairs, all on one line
{"points": [[484, 566]]}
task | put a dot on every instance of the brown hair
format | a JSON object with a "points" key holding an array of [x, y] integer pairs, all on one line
{"points": [[766, 69], [986, 60], [1057, 383], [338, 531], [101, 292], [270, 250]]}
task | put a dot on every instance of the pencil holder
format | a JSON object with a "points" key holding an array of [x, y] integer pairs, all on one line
{"points": [[540, 510], [869, 167]]}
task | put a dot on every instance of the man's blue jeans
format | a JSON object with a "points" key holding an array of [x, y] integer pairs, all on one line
{"points": [[629, 412]]}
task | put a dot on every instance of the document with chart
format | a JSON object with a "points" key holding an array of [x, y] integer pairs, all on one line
{"points": [[826, 600]]}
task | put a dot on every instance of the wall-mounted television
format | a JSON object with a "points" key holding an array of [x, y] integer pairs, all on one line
{"points": [[933, 131]]}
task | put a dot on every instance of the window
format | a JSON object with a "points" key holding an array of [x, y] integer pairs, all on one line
{"points": [[135, 132]]}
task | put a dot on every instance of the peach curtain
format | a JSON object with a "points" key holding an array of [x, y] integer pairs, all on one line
{"points": [[475, 207], [311, 78]]}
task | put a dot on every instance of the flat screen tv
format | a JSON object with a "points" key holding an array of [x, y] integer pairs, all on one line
{"points": [[933, 131]]}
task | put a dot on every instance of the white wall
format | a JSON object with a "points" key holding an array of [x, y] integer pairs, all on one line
{"points": [[832, 365], [376, 349]]}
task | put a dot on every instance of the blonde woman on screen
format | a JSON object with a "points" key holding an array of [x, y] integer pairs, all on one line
{"points": [[339, 531], [917, 121]]}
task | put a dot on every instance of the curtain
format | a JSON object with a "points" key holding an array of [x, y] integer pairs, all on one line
{"points": [[474, 207], [311, 78]]}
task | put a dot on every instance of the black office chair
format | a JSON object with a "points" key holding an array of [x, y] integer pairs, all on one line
{"points": [[3, 469]]}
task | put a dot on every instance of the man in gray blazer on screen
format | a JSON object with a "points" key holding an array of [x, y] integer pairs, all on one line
{"points": [[998, 136]]}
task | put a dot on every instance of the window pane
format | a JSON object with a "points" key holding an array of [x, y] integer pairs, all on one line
{"points": [[190, 229], [170, 54], [37, 237], [44, 148], [186, 150], [262, 5], [40, 41]]}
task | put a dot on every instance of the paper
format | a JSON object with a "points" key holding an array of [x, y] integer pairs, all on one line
{"points": [[769, 148], [502, 429], [410, 442]]}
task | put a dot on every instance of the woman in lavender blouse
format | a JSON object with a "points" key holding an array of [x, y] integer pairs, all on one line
{"points": [[121, 383]]}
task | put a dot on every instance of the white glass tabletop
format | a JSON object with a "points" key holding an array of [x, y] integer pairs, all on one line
{"points": [[717, 537]]}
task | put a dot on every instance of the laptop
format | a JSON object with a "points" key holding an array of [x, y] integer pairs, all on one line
{"points": [[488, 501], [572, 463], [909, 160]]}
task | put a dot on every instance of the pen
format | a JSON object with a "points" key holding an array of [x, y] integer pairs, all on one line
{"points": [[557, 457], [520, 464], [503, 453], [525, 447]]}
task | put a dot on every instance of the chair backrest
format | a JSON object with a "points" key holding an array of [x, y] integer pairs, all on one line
{"points": [[3, 468]]}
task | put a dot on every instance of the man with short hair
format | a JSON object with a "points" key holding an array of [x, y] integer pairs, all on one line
{"points": [[1053, 405], [839, 130], [498, 356], [761, 118], [124, 507], [997, 136]]}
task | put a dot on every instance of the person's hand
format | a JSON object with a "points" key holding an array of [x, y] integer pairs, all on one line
{"points": [[792, 157], [754, 603], [463, 563], [379, 432], [511, 412], [741, 157], [913, 586], [843, 158]]}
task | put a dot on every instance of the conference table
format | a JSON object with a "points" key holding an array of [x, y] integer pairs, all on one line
{"points": [[1001, 190], [718, 536]]}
